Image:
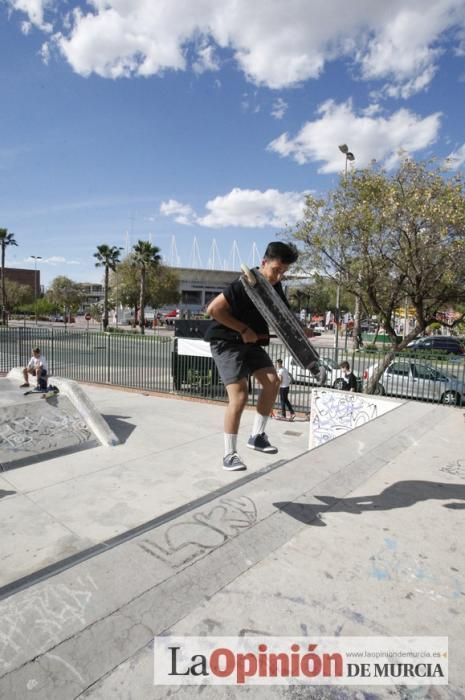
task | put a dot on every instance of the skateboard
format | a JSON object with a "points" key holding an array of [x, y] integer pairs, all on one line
{"points": [[44, 394], [50, 394], [280, 317]]}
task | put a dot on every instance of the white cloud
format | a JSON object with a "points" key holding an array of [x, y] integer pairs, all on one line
{"points": [[457, 158], [368, 137], [53, 260], [244, 208], [279, 108], [405, 49], [206, 60], [183, 213], [45, 53], [275, 43], [371, 110], [254, 209], [35, 10]]}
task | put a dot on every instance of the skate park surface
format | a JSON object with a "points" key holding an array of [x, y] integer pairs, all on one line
{"points": [[104, 548]]}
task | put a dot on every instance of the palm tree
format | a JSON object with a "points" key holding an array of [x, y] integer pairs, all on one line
{"points": [[6, 239], [146, 256], [108, 258]]}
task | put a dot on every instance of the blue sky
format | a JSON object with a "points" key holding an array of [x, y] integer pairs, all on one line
{"points": [[200, 124]]}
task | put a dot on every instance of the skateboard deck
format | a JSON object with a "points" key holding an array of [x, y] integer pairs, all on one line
{"points": [[42, 393], [50, 394], [280, 317]]}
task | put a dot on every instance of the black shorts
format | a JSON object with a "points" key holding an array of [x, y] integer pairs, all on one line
{"points": [[236, 361]]}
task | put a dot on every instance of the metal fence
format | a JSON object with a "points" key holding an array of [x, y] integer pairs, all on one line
{"points": [[151, 363]]}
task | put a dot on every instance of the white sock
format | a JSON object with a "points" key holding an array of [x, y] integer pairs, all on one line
{"points": [[259, 424], [230, 443]]}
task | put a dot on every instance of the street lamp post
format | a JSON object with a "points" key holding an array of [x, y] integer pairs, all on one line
{"points": [[349, 156], [35, 258]]}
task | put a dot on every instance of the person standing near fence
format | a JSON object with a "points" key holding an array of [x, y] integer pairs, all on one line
{"points": [[236, 337], [285, 378]]}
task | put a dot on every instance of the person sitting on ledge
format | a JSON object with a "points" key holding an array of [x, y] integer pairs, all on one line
{"points": [[38, 368]]}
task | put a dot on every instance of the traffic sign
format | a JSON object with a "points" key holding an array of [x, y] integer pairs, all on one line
{"points": [[87, 317]]}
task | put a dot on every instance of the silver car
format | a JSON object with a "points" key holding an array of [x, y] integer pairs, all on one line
{"points": [[334, 375], [417, 380]]}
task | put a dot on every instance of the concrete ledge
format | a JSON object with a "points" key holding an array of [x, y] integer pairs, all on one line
{"points": [[82, 403]]}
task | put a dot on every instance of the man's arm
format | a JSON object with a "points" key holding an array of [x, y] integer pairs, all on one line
{"points": [[220, 310]]}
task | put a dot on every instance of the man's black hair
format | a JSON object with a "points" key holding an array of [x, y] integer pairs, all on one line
{"points": [[286, 252]]}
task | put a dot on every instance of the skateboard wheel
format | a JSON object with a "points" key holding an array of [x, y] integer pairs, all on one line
{"points": [[249, 275]]}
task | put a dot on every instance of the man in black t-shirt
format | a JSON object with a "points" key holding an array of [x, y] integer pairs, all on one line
{"points": [[236, 337]]}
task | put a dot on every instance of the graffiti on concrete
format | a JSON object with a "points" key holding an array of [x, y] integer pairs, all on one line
{"points": [[187, 540], [40, 433], [38, 619], [336, 412], [456, 468]]}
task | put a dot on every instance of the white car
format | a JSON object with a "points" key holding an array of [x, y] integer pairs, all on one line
{"points": [[334, 375], [417, 380]]}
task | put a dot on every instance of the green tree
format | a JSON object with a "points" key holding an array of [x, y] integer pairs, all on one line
{"points": [[65, 293], [43, 307], [146, 257], [161, 285], [108, 257], [17, 294], [95, 310], [392, 239], [317, 297], [6, 239]]}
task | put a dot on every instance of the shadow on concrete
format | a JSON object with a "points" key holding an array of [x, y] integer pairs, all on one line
{"points": [[402, 494], [6, 493], [120, 426]]}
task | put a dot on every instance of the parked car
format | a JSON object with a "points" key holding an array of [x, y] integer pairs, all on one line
{"points": [[170, 317], [441, 343], [334, 375], [416, 380]]}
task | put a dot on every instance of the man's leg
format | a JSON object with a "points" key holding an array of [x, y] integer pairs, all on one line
{"points": [[283, 397], [42, 379], [26, 378], [269, 381], [288, 403], [237, 399]]}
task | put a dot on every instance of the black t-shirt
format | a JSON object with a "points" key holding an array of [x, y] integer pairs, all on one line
{"points": [[244, 310], [350, 382]]}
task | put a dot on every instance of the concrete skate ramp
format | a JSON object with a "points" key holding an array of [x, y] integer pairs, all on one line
{"points": [[33, 429]]}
